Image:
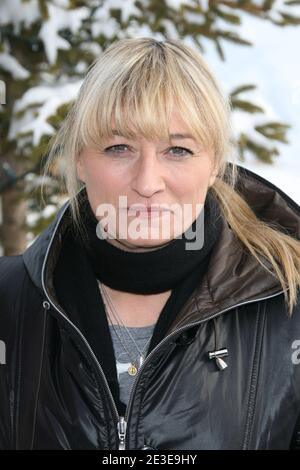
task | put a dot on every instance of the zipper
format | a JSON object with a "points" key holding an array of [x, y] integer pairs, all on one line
{"points": [[121, 421], [122, 425], [49, 302]]}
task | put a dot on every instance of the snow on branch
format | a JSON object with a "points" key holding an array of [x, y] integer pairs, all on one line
{"points": [[37, 105]]}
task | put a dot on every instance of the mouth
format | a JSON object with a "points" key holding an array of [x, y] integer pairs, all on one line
{"points": [[145, 212]]}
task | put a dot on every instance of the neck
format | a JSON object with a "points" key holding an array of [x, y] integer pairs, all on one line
{"points": [[135, 310]]}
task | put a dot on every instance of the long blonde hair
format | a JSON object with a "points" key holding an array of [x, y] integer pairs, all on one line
{"points": [[137, 82]]}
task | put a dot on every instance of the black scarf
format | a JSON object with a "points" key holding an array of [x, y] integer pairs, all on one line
{"points": [[154, 271]]}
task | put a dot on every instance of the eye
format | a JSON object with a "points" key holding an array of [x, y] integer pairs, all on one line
{"points": [[121, 148], [181, 149], [115, 148]]}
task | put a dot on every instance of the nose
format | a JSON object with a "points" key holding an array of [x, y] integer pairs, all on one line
{"points": [[148, 174]]}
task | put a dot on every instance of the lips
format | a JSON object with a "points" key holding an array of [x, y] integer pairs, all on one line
{"points": [[149, 210], [145, 212]]}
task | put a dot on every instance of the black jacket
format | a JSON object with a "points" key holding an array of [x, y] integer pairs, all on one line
{"points": [[54, 393]]}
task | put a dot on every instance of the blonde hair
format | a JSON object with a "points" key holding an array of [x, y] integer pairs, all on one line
{"points": [[137, 82]]}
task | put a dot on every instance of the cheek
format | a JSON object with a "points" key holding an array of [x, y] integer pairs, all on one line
{"points": [[103, 183], [193, 183], [100, 176]]}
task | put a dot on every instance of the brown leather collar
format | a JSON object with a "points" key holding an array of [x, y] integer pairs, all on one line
{"points": [[234, 277]]}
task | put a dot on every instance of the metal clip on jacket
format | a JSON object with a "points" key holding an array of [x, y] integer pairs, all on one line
{"points": [[217, 355]]}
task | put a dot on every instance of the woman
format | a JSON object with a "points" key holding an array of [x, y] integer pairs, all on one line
{"points": [[151, 329]]}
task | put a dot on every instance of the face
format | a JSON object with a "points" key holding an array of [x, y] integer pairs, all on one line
{"points": [[171, 178]]}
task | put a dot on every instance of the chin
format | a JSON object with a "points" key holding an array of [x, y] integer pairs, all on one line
{"points": [[148, 243]]}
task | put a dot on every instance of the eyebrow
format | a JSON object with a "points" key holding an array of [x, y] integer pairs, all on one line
{"points": [[173, 136]]}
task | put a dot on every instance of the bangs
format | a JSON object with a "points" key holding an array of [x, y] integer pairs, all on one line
{"points": [[129, 117], [140, 102]]}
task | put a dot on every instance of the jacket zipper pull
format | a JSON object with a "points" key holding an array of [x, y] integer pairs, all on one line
{"points": [[46, 305], [122, 425]]}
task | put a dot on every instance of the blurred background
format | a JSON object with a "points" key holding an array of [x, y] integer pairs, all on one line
{"points": [[47, 46]]}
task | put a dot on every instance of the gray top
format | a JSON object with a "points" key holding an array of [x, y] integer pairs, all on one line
{"points": [[142, 337]]}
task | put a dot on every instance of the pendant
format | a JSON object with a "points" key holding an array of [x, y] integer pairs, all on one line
{"points": [[132, 370]]}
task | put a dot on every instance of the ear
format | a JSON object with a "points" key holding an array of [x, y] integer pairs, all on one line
{"points": [[80, 169], [213, 175]]}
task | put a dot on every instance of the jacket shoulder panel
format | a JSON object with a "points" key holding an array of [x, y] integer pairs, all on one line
{"points": [[12, 278]]}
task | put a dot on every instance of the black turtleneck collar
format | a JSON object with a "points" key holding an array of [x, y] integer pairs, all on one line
{"points": [[153, 271]]}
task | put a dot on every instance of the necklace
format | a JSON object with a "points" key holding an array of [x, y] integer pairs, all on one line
{"points": [[134, 365]]}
